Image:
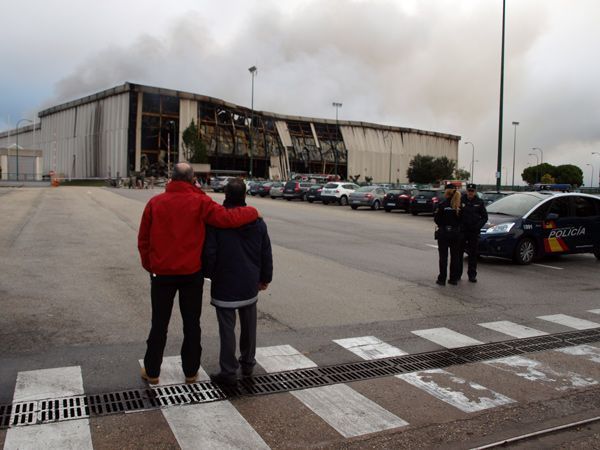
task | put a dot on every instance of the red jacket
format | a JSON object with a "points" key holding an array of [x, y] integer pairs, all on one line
{"points": [[171, 235]]}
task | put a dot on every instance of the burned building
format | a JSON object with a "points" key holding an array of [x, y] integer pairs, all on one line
{"points": [[139, 128]]}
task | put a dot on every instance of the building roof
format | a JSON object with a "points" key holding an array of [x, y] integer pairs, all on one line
{"points": [[132, 87]]}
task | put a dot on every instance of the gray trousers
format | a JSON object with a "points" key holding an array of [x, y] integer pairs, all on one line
{"points": [[227, 360]]}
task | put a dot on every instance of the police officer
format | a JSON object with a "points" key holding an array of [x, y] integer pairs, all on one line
{"points": [[448, 219], [474, 217]]}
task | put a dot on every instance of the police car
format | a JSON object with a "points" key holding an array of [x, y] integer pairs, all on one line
{"points": [[527, 225]]}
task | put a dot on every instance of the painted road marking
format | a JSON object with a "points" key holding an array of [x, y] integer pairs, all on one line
{"points": [[171, 371], [570, 321], [594, 311], [369, 347], [548, 267], [348, 412], [43, 384], [591, 353], [212, 425], [431, 245], [446, 337], [462, 394], [513, 329], [539, 372]]}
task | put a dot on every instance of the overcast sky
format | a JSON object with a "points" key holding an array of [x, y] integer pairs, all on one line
{"points": [[428, 64]]}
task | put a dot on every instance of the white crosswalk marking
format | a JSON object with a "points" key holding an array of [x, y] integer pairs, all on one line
{"points": [[594, 311], [570, 321], [369, 347], [462, 394], [347, 411], [513, 329], [446, 337], [42, 384], [208, 425], [591, 353], [536, 371]]}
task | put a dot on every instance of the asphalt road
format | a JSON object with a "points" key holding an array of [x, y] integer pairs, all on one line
{"points": [[73, 292]]}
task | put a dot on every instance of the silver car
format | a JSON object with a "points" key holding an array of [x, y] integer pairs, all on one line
{"points": [[276, 190], [371, 196]]}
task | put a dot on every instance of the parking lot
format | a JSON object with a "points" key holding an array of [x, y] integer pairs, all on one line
{"points": [[74, 293]]}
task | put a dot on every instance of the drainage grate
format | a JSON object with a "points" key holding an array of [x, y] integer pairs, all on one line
{"points": [[135, 400]]}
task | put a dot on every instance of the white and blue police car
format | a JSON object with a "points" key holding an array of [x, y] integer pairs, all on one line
{"points": [[527, 225]]}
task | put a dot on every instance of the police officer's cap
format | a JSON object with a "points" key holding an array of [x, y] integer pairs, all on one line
{"points": [[471, 186], [450, 186]]}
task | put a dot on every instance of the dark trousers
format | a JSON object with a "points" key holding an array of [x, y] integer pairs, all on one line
{"points": [[469, 243], [452, 245], [163, 292], [227, 360]]}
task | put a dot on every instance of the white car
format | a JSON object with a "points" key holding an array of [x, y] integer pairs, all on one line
{"points": [[338, 191]]}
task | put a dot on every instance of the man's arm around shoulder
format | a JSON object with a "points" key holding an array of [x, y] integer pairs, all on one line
{"points": [[221, 217]]}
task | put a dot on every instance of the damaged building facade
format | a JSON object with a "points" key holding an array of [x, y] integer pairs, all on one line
{"points": [[133, 128]]}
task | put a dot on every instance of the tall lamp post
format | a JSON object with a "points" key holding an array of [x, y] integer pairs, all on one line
{"points": [[514, 154], [537, 165], [337, 106], [499, 165], [17, 143], [591, 176], [541, 153], [253, 70], [472, 160]]}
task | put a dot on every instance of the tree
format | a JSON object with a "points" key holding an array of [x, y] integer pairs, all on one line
{"points": [[443, 168], [462, 174], [428, 169], [547, 179], [569, 174], [533, 174], [193, 146]]}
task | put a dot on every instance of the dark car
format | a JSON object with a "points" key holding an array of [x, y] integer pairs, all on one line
{"points": [[527, 225], [296, 189], [265, 188], [255, 187], [314, 193], [425, 201], [489, 197], [397, 199]]}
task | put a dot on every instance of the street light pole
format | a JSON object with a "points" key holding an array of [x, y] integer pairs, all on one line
{"points": [[17, 143], [472, 160], [537, 165], [499, 165], [591, 176], [514, 154], [337, 106], [541, 153], [252, 71]]}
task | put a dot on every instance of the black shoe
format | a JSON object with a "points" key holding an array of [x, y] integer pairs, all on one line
{"points": [[453, 282], [473, 279], [223, 380], [440, 282], [247, 372]]}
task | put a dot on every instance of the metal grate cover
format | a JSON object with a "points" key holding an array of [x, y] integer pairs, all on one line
{"points": [[135, 400]]}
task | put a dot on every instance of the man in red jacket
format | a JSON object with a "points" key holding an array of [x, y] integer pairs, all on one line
{"points": [[170, 242]]}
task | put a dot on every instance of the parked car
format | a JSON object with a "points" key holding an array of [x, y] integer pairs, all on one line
{"points": [[371, 196], [491, 196], [255, 188], [265, 188], [295, 189], [249, 184], [276, 190], [314, 193], [425, 201], [218, 183], [397, 199], [527, 225], [337, 192]]}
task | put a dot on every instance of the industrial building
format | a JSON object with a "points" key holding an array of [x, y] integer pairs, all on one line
{"points": [[133, 128]]}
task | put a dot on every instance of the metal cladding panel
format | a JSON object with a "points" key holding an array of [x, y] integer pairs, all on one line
{"points": [[369, 148], [188, 111], [284, 133], [89, 140], [26, 139]]}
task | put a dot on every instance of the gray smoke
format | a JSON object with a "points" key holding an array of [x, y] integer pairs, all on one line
{"points": [[434, 66]]}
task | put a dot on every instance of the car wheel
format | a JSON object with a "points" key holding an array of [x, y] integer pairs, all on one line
{"points": [[387, 209], [326, 203], [272, 198], [414, 213], [375, 206], [354, 207], [289, 199], [310, 201], [597, 253], [343, 200], [525, 251]]}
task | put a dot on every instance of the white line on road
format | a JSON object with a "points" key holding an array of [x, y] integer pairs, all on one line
{"points": [[344, 409], [446, 337], [453, 390], [594, 311], [43, 384], [513, 329], [548, 267], [570, 321], [369, 347], [431, 245], [536, 371]]}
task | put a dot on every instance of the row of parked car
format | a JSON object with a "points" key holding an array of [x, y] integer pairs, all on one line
{"points": [[387, 197]]}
